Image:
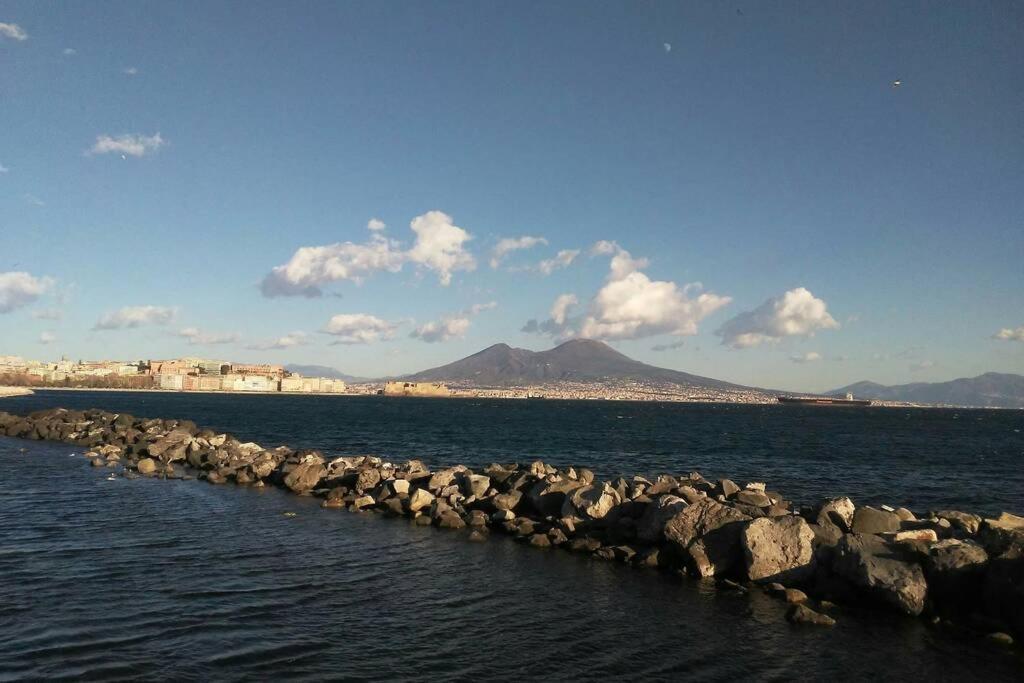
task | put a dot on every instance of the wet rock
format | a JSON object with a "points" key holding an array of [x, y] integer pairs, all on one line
{"points": [[367, 479], [363, 502], [869, 520], [905, 515], [449, 519], [881, 568], [475, 485], [1003, 591], [305, 475], [778, 549], [97, 462], [727, 487], [584, 545], [478, 535], [997, 535], [146, 466], [507, 501], [707, 535], [963, 521], [590, 501], [794, 596], [477, 518], [1000, 638], [955, 570], [754, 498], [540, 541], [801, 614]]}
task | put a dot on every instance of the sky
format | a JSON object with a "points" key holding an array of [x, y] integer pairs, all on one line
{"points": [[787, 195]]}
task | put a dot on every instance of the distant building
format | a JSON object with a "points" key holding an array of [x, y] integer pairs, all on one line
{"points": [[213, 367], [255, 369], [416, 389], [171, 367], [240, 382], [171, 381]]}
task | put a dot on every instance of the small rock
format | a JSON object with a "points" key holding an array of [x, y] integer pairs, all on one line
{"points": [[146, 466], [477, 535], [1000, 638], [801, 614], [540, 541], [795, 596]]}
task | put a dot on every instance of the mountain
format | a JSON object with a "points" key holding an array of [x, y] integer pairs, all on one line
{"points": [[993, 390], [577, 360], [322, 371]]}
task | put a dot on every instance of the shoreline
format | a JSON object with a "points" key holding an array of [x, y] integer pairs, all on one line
{"points": [[875, 404], [819, 560]]}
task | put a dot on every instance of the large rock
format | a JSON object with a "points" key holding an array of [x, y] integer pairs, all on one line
{"points": [[590, 501], [547, 497], [963, 521], [955, 570], [837, 512], [420, 499], [441, 479], [997, 535], [651, 527], [869, 520], [475, 485], [305, 475], [367, 479], [883, 569], [779, 549], [146, 466], [507, 501], [707, 535], [1004, 588]]}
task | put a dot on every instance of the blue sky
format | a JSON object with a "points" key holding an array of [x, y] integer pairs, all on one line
{"points": [[172, 156]]}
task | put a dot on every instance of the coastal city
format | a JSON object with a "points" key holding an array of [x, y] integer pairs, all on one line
{"points": [[192, 374]]}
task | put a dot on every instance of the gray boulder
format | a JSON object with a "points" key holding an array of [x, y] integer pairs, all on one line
{"points": [[837, 512], [997, 535], [651, 527], [305, 475], [883, 569], [955, 571], [778, 549], [869, 520], [146, 466], [707, 535]]}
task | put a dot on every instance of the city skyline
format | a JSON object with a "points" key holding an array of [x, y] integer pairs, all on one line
{"points": [[384, 191]]}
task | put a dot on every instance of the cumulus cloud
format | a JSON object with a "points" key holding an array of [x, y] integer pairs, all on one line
{"points": [[560, 309], [376, 225], [195, 336], [1008, 334], [135, 316], [288, 341], [797, 313], [507, 245], [359, 328], [438, 247], [441, 330], [809, 357], [47, 338], [18, 288], [452, 326], [12, 31], [562, 259], [128, 145], [604, 248], [48, 314]]}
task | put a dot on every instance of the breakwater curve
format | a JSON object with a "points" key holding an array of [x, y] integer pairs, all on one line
{"points": [[941, 565]]}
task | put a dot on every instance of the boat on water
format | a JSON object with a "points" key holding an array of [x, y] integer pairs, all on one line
{"points": [[849, 400]]}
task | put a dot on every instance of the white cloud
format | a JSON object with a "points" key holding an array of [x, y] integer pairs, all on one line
{"points": [[290, 340], [562, 259], [450, 326], [69, 51], [18, 288], [507, 245], [311, 267], [4, 169], [376, 224], [359, 328], [1008, 334], [560, 309], [630, 305], [441, 330], [809, 357], [47, 338], [130, 70], [438, 247], [127, 145], [197, 337], [797, 313], [135, 316], [13, 31], [47, 314]]}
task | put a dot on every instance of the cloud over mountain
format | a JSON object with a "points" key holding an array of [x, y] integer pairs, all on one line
{"points": [[452, 326], [797, 313]]}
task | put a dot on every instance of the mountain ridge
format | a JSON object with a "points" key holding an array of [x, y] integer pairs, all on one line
{"points": [[989, 390], [573, 360]]}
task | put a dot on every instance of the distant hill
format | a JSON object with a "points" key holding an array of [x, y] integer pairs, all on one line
{"points": [[993, 390], [577, 360], [323, 371]]}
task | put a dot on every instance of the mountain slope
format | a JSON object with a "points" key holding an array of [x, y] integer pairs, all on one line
{"points": [[322, 371], [576, 360], [993, 389]]}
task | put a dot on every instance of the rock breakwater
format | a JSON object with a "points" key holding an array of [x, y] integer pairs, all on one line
{"points": [[952, 567]]}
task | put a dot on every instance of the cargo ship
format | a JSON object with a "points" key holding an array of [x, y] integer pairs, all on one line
{"points": [[825, 400]]}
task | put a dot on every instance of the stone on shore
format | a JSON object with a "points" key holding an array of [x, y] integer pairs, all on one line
{"points": [[837, 512], [869, 520], [883, 570], [146, 466], [420, 499], [707, 536], [779, 549], [964, 521]]}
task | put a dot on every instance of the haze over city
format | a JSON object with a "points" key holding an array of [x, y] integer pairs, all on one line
{"points": [[728, 191]]}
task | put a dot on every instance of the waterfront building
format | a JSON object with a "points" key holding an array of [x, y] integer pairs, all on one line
{"points": [[415, 389]]}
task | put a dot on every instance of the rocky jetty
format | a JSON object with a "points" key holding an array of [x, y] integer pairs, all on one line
{"points": [[949, 566]]}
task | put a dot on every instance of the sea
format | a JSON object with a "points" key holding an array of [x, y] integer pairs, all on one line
{"points": [[113, 579]]}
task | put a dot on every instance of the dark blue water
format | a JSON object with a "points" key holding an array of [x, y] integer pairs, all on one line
{"points": [[182, 580]]}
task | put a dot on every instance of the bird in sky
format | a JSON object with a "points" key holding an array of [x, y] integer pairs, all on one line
{"points": [[897, 83]]}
